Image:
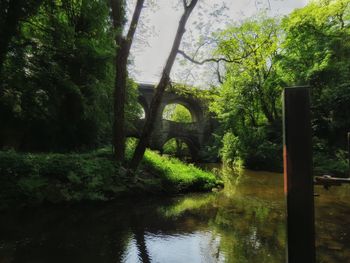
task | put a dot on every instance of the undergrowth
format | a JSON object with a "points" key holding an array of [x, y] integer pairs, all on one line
{"points": [[27, 178]]}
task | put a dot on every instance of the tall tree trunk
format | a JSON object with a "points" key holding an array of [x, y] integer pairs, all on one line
{"points": [[163, 83], [121, 62], [119, 104]]}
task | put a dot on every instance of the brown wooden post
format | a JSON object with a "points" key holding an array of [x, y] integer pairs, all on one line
{"points": [[298, 178], [349, 151]]}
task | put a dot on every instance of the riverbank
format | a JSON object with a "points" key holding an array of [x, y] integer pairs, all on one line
{"points": [[32, 179]]}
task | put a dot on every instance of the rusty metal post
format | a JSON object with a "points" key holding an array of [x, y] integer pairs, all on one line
{"points": [[298, 178]]}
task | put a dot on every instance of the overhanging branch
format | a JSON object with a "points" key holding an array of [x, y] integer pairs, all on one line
{"points": [[217, 60]]}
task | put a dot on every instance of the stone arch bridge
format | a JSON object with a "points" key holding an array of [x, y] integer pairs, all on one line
{"points": [[195, 134]]}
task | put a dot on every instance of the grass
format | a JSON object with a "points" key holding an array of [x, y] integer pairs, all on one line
{"points": [[27, 178], [181, 176]]}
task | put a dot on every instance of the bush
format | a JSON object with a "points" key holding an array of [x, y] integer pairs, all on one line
{"points": [[328, 160], [231, 151], [36, 178], [252, 149]]}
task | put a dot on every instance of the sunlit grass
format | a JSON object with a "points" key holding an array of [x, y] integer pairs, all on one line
{"points": [[183, 176], [176, 176]]}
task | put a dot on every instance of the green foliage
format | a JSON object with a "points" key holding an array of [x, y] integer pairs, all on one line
{"points": [[231, 150], [309, 47], [177, 176], [321, 61], [178, 148], [252, 149], [59, 177], [316, 52], [133, 110], [252, 86], [12, 13], [328, 160], [189, 91], [37, 178], [335, 164], [177, 112], [248, 102], [58, 78]]}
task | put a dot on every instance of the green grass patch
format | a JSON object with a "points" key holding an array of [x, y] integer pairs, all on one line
{"points": [[178, 176]]}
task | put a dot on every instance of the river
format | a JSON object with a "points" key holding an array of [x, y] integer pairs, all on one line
{"points": [[245, 222]]}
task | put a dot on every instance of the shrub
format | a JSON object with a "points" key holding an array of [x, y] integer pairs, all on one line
{"points": [[36, 178], [231, 151], [253, 150]]}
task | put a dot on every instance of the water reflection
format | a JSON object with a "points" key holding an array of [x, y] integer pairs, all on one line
{"points": [[243, 223], [195, 247]]}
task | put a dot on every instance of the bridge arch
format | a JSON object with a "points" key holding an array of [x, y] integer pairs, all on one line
{"points": [[192, 145], [191, 105], [144, 104], [174, 111]]}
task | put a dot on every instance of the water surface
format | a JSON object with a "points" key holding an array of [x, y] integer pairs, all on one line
{"points": [[243, 223]]}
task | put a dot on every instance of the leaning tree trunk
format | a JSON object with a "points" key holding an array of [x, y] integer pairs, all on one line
{"points": [[163, 83], [121, 62]]}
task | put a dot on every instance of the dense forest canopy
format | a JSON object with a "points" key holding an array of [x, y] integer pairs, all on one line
{"points": [[57, 78]]}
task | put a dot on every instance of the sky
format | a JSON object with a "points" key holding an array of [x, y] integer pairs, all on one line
{"points": [[153, 42]]}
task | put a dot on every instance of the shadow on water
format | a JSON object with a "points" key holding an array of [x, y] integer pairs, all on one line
{"points": [[243, 223]]}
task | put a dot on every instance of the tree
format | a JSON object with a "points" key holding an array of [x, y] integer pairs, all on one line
{"points": [[254, 83], [121, 61], [12, 12], [58, 78], [248, 101], [163, 83], [316, 52]]}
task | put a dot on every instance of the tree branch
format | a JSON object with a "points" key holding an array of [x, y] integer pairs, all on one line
{"points": [[192, 4], [133, 24], [227, 60], [217, 60]]}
